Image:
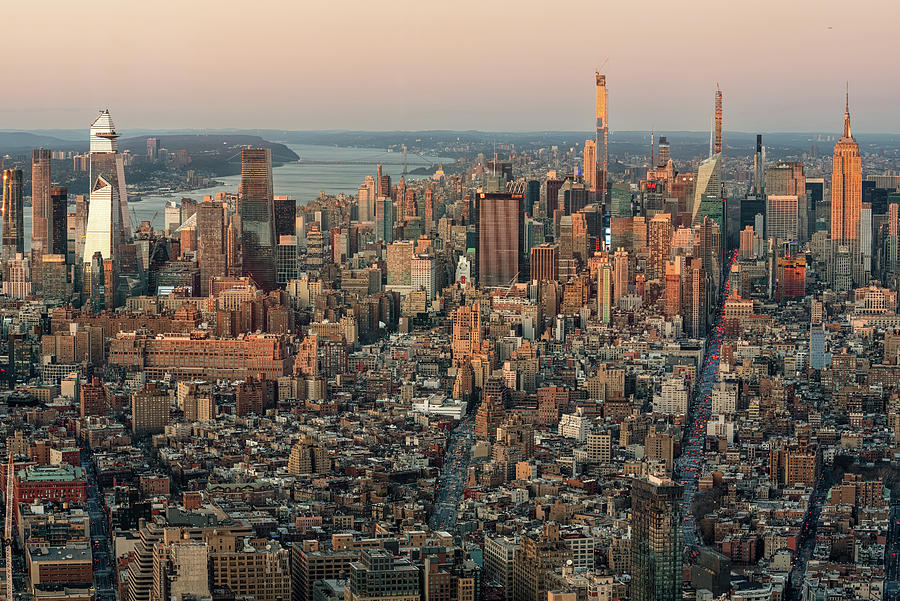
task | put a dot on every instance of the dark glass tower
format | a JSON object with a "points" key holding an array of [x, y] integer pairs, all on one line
{"points": [[655, 540], [13, 240], [285, 216], [59, 203], [257, 213]]}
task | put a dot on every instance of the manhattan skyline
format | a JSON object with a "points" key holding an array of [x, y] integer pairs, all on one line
{"points": [[451, 69]]}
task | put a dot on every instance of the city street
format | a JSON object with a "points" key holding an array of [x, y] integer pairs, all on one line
{"points": [[104, 574], [690, 464], [451, 482], [892, 557]]}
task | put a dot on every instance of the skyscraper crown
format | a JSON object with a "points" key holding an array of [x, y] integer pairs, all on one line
{"points": [[847, 133], [103, 134]]}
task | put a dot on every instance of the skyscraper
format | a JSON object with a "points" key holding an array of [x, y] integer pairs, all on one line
{"points": [[846, 189], [664, 152], [660, 243], [786, 178], [717, 146], [590, 164], [13, 240], [602, 140], [500, 230], [544, 262], [384, 219], [708, 184], [620, 271], [257, 213], [285, 216], [42, 210], [605, 291], [366, 200], [108, 223], [211, 242], [655, 540], [759, 167], [709, 174], [59, 201], [781, 217]]}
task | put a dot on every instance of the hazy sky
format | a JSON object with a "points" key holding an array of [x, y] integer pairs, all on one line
{"points": [[460, 64]]}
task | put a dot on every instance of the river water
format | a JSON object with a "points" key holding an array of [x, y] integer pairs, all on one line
{"points": [[335, 169]]}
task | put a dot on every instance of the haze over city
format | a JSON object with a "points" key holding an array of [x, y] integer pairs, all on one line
{"points": [[407, 301], [411, 65]]}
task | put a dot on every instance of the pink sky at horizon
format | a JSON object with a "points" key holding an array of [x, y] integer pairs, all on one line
{"points": [[492, 65]]}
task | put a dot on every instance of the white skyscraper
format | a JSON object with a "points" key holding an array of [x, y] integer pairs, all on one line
{"points": [[108, 224], [708, 182]]}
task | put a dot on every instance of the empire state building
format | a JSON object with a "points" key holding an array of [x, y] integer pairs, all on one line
{"points": [[846, 204]]}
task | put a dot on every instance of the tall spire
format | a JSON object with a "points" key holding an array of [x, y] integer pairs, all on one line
{"points": [[847, 133]]}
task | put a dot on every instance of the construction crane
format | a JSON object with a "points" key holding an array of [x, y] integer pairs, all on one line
{"points": [[8, 528]]}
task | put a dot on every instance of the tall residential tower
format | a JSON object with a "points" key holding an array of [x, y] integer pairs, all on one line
{"points": [[602, 139]]}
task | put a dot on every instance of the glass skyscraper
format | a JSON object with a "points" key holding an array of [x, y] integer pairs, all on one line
{"points": [[257, 211], [655, 540]]}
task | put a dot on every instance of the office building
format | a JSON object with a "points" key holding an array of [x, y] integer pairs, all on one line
{"points": [[708, 185], [540, 554], [197, 356], [659, 240], [257, 212], [786, 178], [108, 222], [621, 273], [500, 230], [605, 292], [149, 410], [250, 568], [13, 237], [285, 216], [655, 540], [17, 277], [211, 248], [309, 567], [817, 347], [365, 200], [59, 202], [384, 219], [423, 275], [379, 576], [544, 262], [492, 410], [846, 196], [62, 482], [287, 260], [791, 277], [782, 218]]}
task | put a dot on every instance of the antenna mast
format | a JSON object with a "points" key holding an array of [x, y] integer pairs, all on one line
{"points": [[7, 530]]}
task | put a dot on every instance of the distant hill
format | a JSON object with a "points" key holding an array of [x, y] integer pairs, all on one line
{"points": [[20, 142], [17, 142], [210, 143]]}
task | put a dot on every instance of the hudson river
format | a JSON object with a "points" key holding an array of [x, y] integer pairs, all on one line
{"points": [[335, 169]]}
